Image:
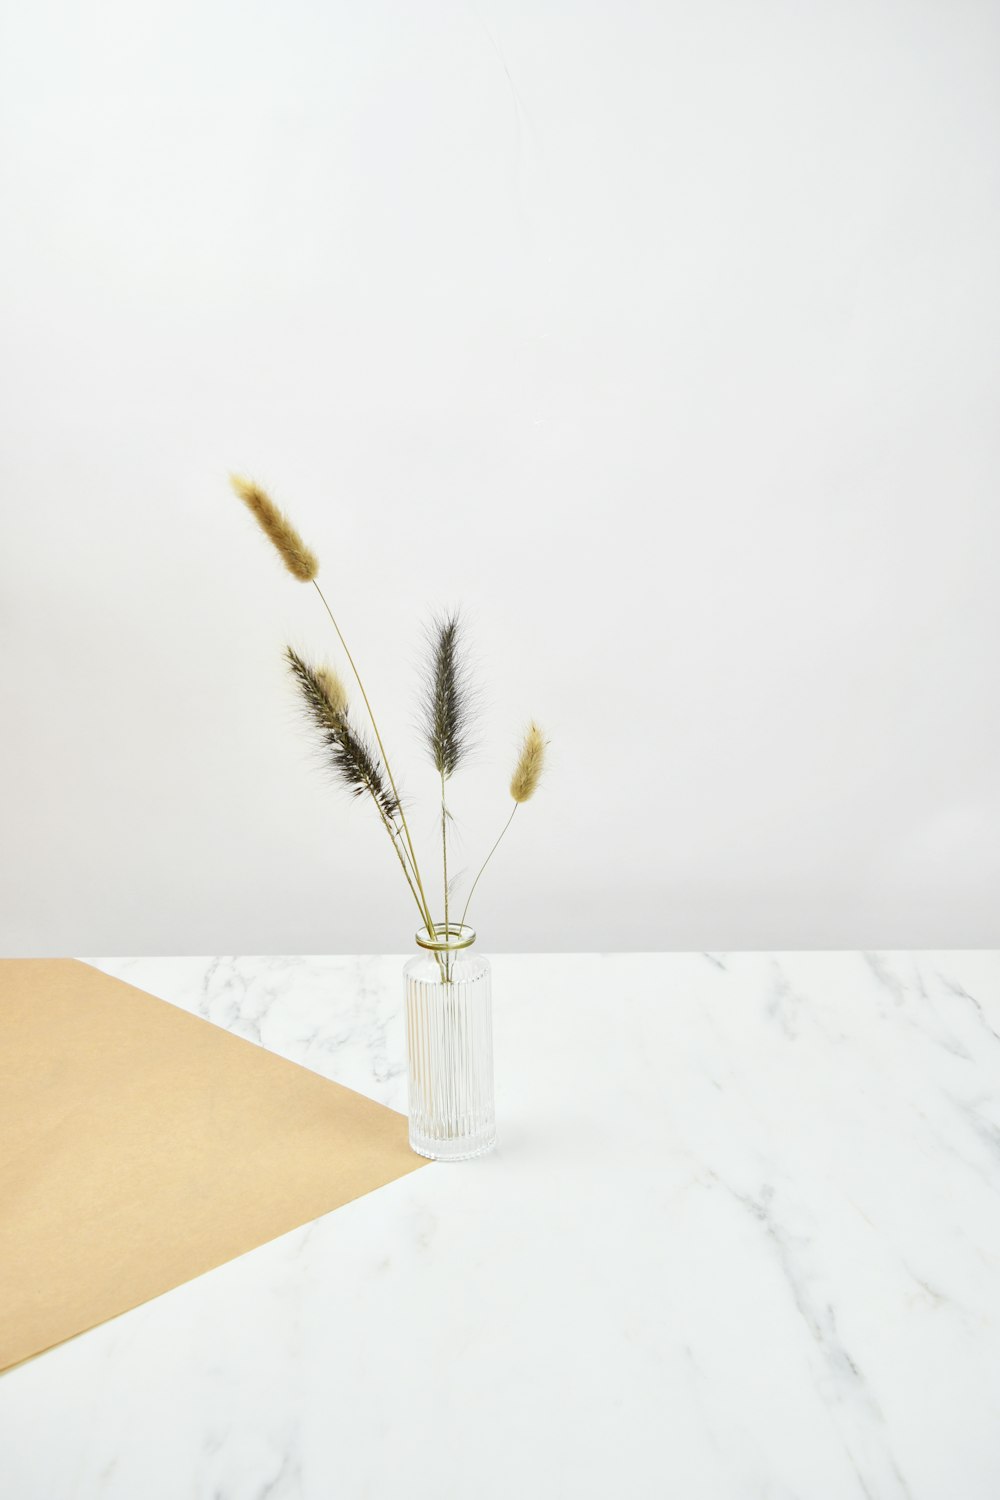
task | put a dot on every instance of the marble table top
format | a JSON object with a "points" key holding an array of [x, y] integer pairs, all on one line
{"points": [[740, 1238]]}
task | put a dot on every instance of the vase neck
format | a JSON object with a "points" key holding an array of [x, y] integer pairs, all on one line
{"points": [[446, 939]]}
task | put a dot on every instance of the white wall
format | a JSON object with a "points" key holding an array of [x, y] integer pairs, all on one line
{"points": [[662, 336]]}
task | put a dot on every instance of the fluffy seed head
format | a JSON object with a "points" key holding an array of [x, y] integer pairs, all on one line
{"points": [[275, 525], [448, 699], [353, 761], [528, 771], [333, 689]]}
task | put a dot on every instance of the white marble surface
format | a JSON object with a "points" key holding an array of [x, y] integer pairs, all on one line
{"points": [[741, 1238]]}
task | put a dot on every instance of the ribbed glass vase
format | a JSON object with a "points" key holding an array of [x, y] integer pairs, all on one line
{"points": [[449, 1039]]}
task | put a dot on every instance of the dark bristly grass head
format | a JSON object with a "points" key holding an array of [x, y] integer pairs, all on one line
{"points": [[355, 763], [296, 556], [447, 705]]}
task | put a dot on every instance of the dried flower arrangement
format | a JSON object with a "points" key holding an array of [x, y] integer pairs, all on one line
{"points": [[364, 768]]}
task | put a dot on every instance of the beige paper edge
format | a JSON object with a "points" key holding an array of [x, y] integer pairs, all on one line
{"points": [[141, 1146]]}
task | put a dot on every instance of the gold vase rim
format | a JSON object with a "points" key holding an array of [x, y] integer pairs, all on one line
{"points": [[450, 939]]}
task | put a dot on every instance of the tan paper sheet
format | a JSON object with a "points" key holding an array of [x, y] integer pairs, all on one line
{"points": [[141, 1146]]}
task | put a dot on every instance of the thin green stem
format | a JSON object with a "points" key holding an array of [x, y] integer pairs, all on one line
{"points": [[394, 834], [444, 854], [397, 833], [444, 848], [423, 903], [486, 862]]}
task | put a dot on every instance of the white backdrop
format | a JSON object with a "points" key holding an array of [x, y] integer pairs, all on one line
{"points": [[661, 336]]}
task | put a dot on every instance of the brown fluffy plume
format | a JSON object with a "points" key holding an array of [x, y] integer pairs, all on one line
{"points": [[275, 525], [336, 693], [528, 771]]}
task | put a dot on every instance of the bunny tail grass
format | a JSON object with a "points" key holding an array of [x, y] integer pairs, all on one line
{"points": [[334, 689], [528, 771], [355, 763], [294, 553], [447, 700]]}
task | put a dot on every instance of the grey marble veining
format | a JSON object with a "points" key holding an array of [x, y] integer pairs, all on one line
{"points": [[741, 1238]]}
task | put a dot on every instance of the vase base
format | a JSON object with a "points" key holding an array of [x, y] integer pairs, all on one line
{"points": [[459, 1150]]}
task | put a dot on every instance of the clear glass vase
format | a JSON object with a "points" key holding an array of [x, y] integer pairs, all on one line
{"points": [[449, 1041]]}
